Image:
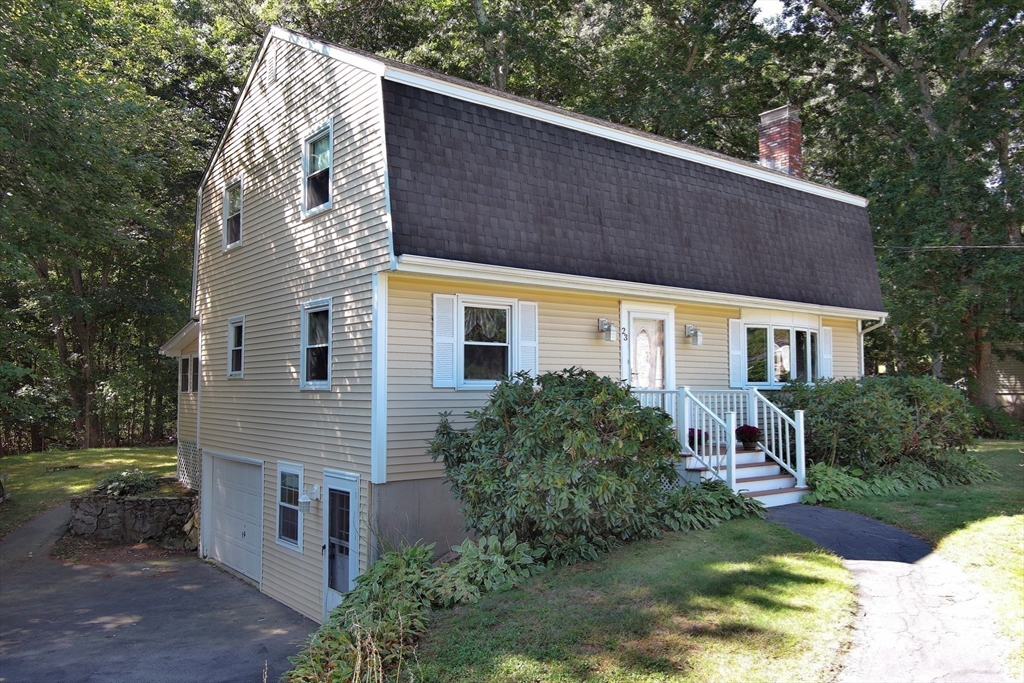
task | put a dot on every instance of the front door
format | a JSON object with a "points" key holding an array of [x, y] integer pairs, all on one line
{"points": [[647, 346], [341, 536]]}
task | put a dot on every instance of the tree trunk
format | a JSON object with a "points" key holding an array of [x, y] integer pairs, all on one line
{"points": [[982, 389]]}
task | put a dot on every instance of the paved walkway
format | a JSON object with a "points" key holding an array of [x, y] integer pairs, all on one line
{"points": [[168, 620], [920, 618]]}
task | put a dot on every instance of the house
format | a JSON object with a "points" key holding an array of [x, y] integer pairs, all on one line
{"points": [[377, 243]]}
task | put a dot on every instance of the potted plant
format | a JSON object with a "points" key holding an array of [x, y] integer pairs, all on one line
{"points": [[749, 435], [695, 438]]}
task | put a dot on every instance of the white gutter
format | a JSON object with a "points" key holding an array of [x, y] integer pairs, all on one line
{"points": [[463, 270], [860, 339]]}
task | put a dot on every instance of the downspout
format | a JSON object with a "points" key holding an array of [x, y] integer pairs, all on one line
{"points": [[860, 340]]}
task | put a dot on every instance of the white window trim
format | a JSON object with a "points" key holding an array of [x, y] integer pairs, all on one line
{"points": [[224, 246], [770, 329], [188, 375], [463, 300], [232, 322], [290, 468], [324, 304], [327, 125], [627, 309]]}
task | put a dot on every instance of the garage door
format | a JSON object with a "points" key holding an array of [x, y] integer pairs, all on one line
{"points": [[237, 506]]}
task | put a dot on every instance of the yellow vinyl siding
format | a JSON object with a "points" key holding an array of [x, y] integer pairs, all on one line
{"points": [[283, 260], [845, 354], [568, 336], [187, 402]]}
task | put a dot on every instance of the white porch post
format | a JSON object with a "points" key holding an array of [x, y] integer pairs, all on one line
{"points": [[752, 418], [801, 466], [730, 453], [683, 418]]}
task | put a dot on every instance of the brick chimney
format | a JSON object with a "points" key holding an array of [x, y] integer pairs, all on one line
{"points": [[779, 140]]}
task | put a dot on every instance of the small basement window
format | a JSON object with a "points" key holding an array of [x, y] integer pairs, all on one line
{"points": [[233, 213], [316, 186], [289, 517]]}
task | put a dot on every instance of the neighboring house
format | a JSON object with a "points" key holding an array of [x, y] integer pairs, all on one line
{"points": [[1010, 382], [377, 243]]}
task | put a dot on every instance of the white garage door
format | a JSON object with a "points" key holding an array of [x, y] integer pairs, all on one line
{"points": [[237, 506]]}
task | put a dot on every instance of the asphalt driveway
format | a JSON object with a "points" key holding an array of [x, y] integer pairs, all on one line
{"points": [[168, 620]]}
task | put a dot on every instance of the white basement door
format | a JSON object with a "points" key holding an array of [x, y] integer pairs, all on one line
{"points": [[237, 506]]}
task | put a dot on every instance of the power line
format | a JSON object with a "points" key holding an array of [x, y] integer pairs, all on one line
{"points": [[954, 247]]}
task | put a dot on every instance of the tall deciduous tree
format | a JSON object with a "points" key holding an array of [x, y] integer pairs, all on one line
{"points": [[920, 110]]}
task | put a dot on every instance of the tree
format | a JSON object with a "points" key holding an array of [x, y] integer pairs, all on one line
{"points": [[920, 111]]}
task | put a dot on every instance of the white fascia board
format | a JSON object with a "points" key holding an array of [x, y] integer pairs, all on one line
{"points": [[333, 51], [182, 338], [662, 147], [447, 268]]}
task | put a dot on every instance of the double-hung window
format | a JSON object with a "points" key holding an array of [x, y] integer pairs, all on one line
{"points": [[236, 346], [315, 372], [188, 378], [316, 169], [478, 340], [233, 213], [289, 517]]}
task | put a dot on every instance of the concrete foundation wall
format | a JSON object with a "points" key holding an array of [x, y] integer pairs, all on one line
{"points": [[422, 510]]}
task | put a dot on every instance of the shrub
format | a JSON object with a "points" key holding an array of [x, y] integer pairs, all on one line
{"points": [[996, 423], [878, 421], [570, 463], [484, 567], [832, 483], [706, 505], [128, 483]]}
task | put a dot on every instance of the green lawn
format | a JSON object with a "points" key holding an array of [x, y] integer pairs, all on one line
{"points": [[747, 601], [980, 527], [33, 490]]}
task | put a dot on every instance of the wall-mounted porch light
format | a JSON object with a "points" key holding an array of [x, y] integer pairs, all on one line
{"points": [[694, 333], [307, 498], [610, 331]]}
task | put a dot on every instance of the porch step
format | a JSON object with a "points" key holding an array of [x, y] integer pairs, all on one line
{"points": [[765, 483], [765, 468], [777, 497], [742, 458]]}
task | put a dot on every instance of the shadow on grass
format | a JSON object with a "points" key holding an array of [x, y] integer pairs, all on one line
{"points": [[652, 610]]}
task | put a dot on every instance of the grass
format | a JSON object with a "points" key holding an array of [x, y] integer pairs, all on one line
{"points": [[33, 490], [979, 527], [747, 601]]}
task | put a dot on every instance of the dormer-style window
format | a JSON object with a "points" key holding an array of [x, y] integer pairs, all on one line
{"points": [[233, 213], [316, 171]]}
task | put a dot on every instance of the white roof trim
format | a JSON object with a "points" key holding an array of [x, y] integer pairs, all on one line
{"points": [[397, 74], [182, 338], [424, 265]]}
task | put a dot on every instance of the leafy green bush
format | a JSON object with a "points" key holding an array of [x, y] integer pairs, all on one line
{"points": [[128, 483], [876, 422], [832, 483], [569, 462], [372, 634], [706, 505], [996, 423]]}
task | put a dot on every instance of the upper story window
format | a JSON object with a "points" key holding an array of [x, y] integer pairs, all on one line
{"points": [[236, 346], [316, 345], [233, 213], [316, 169], [479, 340]]}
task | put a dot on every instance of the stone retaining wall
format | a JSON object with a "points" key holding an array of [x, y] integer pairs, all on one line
{"points": [[133, 520]]}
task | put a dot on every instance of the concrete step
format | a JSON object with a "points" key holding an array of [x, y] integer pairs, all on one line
{"points": [[742, 458], [767, 483], [777, 497]]}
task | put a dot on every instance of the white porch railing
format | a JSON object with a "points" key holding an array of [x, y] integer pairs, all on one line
{"points": [[711, 412]]}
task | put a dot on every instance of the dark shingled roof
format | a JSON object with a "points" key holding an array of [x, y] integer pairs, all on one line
{"points": [[473, 183]]}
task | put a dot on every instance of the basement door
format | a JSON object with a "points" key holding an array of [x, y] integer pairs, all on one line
{"points": [[341, 536]]}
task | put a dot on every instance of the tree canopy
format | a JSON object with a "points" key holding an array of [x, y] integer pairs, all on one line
{"points": [[110, 109]]}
